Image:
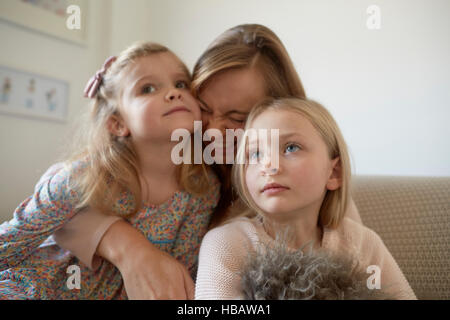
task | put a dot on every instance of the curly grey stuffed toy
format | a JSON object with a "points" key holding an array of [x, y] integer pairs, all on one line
{"points": [[275, 273]]}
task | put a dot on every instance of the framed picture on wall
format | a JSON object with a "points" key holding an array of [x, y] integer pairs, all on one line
{"points": [[64, 19], [31, 95]]}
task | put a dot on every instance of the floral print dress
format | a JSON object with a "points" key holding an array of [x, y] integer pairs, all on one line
{"points": [[33, 266]]}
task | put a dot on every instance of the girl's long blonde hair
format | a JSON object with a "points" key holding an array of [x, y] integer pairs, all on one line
{"points": [[246, 46], [112, 164], [336, 201]]}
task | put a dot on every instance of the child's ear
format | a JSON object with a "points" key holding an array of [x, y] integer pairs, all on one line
{"points": [[117, 126], [335, 179]]}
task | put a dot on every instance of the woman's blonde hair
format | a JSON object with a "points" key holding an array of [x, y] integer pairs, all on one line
{"points": [[250, 46], [112, 162], [246, 46], [336, 201]]}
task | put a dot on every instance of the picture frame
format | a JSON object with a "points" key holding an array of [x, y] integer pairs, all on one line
{"points": [[30, 95], [32, 15]]}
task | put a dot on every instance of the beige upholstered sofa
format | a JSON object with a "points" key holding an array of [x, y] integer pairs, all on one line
{"points": [[412, 216]]}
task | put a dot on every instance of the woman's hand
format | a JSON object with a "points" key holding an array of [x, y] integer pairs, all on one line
{"points": [[147, 272], [153, 274]]}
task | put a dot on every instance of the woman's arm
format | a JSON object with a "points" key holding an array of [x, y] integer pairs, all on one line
{"points": [[148, 272], [82, 234]]}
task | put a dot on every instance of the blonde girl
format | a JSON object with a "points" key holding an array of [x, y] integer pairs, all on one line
{"points": [[308, 190], [122, 167]]}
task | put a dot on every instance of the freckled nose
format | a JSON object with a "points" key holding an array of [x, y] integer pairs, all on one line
{"points": [[269, 170], [269, 166]]}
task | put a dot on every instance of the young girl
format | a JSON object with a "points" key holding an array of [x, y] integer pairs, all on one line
{"points": [[123, 166], [308, 191]]}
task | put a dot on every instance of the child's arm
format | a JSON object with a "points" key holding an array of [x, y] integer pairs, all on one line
{"points": [[52, 204], [221, 259], [391, 274], [393, 280]]}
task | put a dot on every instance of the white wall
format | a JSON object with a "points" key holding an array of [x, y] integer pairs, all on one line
{"points": [[389, 89], [30, 146]]}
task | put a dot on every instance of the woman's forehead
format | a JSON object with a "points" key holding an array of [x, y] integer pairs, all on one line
{"points": [[234, 89]]}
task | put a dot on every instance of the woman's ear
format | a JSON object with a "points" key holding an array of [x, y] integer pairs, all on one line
{"points": [[117, 126], [335, 179]]}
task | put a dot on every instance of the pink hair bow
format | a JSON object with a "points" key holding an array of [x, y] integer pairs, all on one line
{"points": [[90, 91]]}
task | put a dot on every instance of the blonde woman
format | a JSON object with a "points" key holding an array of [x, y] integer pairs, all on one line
{"points": [[306, 189], [123, 167], [243, 66]]}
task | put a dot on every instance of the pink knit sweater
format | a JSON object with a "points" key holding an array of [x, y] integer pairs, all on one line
{"points": [[224, 249]]}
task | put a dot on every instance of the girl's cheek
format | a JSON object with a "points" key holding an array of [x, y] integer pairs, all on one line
{"points": [[204, 117], [198, 113], [195, 109], [189, 97], [251, 180], [298, 173]]}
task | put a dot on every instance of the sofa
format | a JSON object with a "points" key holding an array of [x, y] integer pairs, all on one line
{"points": [[412, 216]]}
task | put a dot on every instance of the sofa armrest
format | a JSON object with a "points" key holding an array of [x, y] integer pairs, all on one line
{"points": [[412, 216]]}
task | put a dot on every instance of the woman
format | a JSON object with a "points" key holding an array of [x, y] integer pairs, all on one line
{"points": [[241, 67]]}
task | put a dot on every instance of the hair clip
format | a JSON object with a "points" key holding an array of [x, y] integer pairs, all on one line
{"points": [[90, 91], [260, 43], [254, 41]]}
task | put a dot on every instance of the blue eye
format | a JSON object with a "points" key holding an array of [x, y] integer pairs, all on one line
{"points": [[148, 89], [254, 154], [291, 148], [181, 85]]}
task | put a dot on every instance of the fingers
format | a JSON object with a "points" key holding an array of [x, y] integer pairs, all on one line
{"points": [[180, 286], [190, 288], [167, 280], [189, 285]]}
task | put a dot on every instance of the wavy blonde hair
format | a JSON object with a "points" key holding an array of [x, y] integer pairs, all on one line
{"points": [[250, 46], [112, 162], [335, 203]]}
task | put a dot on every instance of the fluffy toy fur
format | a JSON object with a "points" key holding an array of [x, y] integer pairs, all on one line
{"points": [[276, 273]]}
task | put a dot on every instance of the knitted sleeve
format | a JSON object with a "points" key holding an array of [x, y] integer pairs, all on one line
{"points": [[392, 278], [221, 256], [367, 248]]}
